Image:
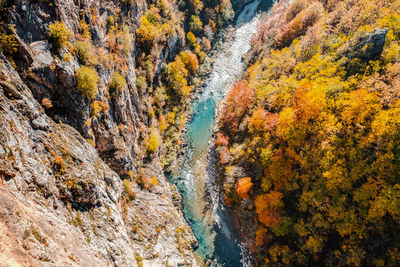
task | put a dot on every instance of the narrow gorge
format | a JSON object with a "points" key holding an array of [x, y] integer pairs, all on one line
{"points": [[202, 206], [199, 133]]}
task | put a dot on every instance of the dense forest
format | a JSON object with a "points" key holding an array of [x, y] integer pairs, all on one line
{"points": [[309, 139]]}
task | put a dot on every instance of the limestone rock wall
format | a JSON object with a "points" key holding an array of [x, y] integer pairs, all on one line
{"points": [[62, 198]]}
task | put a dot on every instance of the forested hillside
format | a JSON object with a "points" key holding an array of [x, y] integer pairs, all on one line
{"points": [[309, 140]]}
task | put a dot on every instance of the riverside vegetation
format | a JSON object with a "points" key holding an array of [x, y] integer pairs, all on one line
{"points": [[93, 103], [308, 140]]}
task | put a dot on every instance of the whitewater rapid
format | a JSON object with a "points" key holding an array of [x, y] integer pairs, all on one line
{"points": [[207, 216]]}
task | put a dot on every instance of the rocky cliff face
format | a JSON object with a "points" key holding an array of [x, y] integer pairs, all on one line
{"points": [[62, 205], [75, 186], [59, 201], [51, 76]]}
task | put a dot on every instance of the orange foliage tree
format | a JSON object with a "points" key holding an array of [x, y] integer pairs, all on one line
{"points": [[291, 32], [243, 186], [322, 130], [261, 234], [224, 155], [268, 208], [258, 120], [221, 140], [190, 60], [239, 99]]}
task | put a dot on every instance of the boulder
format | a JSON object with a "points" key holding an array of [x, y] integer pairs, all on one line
{"points": [[41, 53], [370, 47]]}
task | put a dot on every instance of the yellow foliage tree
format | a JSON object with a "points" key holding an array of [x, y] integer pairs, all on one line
{"points": [[59, 35], [87, 79], [176, 77], [154, 141], [147, 33], [191, 38], [190, 60]]}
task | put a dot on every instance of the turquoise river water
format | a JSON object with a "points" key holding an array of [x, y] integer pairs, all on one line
{"points": [[210, 221]]}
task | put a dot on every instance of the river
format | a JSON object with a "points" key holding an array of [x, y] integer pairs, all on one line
{"points": [[210, 221]]}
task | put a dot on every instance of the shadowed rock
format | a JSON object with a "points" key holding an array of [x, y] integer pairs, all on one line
{"points": [[370, 47]]}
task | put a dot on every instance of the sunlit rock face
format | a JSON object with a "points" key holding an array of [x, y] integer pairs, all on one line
{"points": [[61, 203]]}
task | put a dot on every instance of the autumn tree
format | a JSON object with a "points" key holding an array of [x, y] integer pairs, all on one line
{"points": [[191, 38], [195, 24], [147, 33], [87, 81], [243, 186], [190, 61], [293, 30], [221, 140], [268, 208], [176, 74], [59, 35], [154, 141], [237, 101], [196, 6], [258, 120]]}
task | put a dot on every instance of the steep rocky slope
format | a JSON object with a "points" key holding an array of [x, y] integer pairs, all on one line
{"points": [[90, 114], [61, 204]]}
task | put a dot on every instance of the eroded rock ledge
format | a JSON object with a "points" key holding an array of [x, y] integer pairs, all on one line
{"points": [[61, 204]]}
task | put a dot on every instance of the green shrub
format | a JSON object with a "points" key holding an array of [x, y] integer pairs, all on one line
{"points": [[195, 24], [110, 20], [226, 12], [141, 83], [85, 29], [129, 191], [87, 79], [162, 124], [148, 66], [120, 40], [8, 44], [39, 237], [151, 113], [59, 35], [117, 82], [125, 40], [161, 95], [83, 49]]}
